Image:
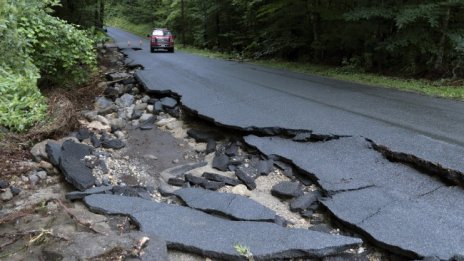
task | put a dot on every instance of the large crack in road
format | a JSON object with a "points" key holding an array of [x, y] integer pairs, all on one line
{"points": [[394, 205]]}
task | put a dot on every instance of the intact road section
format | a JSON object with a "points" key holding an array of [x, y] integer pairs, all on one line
{"points": [[251, 97]]}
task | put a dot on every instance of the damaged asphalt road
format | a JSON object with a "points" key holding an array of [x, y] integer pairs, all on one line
{"points": [[255, 98], [394, 206]]}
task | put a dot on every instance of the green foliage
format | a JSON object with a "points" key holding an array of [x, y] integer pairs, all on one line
{"points": [[404, 38], [63, 53], [36, 45]]}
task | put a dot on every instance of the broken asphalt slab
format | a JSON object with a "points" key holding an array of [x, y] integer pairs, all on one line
{"points": [[72, 165], [232, 205], [191, 230], [397, 207]]}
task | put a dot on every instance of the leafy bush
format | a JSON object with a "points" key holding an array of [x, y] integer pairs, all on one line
{"points": [[63, 53], [37, 45]]}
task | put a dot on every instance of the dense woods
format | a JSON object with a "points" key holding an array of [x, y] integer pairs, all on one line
{"points": [[409, 37], [52, 42]]}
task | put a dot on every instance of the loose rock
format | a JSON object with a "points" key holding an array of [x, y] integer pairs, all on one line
{"points": [[247, 179], [287, 189]]}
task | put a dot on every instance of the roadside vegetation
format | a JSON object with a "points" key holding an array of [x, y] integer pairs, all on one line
{"points": [[409, 45], [38, 50]]}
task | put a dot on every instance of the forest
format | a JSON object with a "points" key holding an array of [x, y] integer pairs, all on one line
{"points": [[417, 38], [52, 43]]}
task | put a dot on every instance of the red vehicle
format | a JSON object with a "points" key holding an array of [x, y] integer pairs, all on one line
{"points": [[161, 38]]}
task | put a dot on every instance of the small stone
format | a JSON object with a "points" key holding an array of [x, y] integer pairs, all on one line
{"points": [[303, 202], [38, 151], [136, 114], [145, 116], [168, 102], [164, 122], [119, 134], [103, 120], [102, 102], [41, 174], [83, 134], [220, 162], [4, 184], [24, 179], [287, 189], [53, 150], [125, 100], [176, 182], [113, 144], [117, 124], [232, 149], [241, 190], [90, 115], [247, 179], [150, 108], [15, 191], [212, 185], [6, 195], [194, 179], [98, 126], [265, 167], [46, 166], [174, 125], [95, 141], [210, 146], [140, 106], [33, 179], [106, 180], [148, 124], [221, 178]]}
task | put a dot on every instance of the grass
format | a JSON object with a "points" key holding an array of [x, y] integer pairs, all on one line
{"points": [[138, 29], [431, 88]]}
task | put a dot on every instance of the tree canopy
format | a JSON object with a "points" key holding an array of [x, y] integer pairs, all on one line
{"points": [[410, 37]]}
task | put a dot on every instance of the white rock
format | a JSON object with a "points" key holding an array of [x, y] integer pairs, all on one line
{"points": [[6, 195], [165, 121], [41, 174], [119, 134], [241, 190], [103, 120], [38, 151], [98, 126], [128, 111], [174, 125], [150, 108], [145, 116]]}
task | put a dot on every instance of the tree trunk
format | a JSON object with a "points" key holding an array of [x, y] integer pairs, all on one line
{"points": [[183, 21], [441, 45]]}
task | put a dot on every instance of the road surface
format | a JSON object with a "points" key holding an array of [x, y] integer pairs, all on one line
{"points": [[395, 206], [249, 96]]}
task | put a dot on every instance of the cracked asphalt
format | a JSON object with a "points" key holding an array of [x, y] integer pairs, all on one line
{"points": [[399, 208], [250, 97]]}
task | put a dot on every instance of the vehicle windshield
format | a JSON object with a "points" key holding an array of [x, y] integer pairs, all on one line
{"points": [[161, 33]]}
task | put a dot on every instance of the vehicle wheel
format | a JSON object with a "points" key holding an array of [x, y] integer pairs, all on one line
{"points": [[171, 50], [152, 50]]}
